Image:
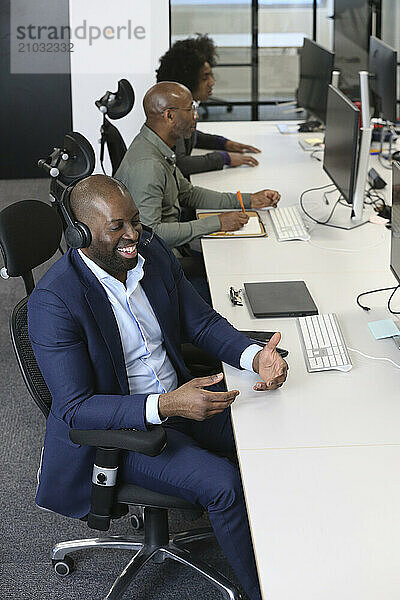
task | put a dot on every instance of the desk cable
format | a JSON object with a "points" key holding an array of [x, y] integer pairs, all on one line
{"points": [[326, 222], [314, 152], [350, 250], [381, 158], [374, 357], [367, 308]]}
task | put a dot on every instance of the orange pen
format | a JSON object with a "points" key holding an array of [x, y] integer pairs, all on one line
{"points": [[239, 196]]}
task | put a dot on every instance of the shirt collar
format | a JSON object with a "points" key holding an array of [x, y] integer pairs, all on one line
{"points": [[155, 139], [133, 276]]}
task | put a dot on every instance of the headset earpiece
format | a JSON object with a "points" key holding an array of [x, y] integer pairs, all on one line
{"points": [[77, 234]]}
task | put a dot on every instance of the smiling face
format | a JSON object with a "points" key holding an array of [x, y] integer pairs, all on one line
{"points": [[205, 84], [116, 229]]}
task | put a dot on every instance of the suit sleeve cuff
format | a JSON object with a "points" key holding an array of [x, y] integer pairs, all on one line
{"points": [[247, 356], [152, 416]]}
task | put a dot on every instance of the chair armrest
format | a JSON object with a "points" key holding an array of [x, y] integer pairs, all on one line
{"points": [[150, 442]]}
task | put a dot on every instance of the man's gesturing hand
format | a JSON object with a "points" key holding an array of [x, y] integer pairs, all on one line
{"points": [[264, 198], [191, 401], [269, 364]]}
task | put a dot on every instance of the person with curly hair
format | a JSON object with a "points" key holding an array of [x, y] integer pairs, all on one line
{"points": [[190, 62]]}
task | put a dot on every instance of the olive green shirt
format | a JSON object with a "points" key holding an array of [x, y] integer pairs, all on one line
{"points": [[159, 190]]}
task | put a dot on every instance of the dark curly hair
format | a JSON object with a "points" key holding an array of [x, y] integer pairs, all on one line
{"points": [[183, 61]]}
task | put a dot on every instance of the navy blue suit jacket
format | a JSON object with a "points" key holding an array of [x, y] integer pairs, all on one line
{"points": [[76, 341]]}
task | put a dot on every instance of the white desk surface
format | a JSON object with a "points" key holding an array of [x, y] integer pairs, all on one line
{"points": [[319, 457]]}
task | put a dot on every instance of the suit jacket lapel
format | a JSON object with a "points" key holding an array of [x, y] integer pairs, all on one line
{"points": [[104, 316]]}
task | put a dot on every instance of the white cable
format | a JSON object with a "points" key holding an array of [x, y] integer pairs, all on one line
{"points": [[348, 249], [374, 357]]}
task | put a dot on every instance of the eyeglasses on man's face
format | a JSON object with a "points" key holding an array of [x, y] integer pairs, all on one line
{"points": [[194, 107]]}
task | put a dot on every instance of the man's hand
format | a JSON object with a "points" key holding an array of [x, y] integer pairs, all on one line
{"points": [[269, 364], [242, 159], [264, 198], [231, 221], [242, 148], [191, 401]]}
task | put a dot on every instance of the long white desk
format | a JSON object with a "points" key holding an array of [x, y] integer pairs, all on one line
{"points": [[320, 457]]}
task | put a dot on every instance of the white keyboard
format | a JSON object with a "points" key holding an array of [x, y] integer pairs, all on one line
{"points": [[288, 224], [323, 344]]}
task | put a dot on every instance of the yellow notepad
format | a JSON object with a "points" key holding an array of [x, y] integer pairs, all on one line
{"points": [[253, 228]]}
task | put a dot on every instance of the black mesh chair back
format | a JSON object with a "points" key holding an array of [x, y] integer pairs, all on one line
{"points": [[26, 359], [115, 144], [30, 234]]}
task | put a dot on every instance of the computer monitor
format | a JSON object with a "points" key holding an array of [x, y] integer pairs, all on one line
{"points": [[395, 219], [341, 142], [352, 29], [383, 79], [316, 66]]}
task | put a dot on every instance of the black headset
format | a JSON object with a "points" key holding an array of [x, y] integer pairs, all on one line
{"points": [[77, 234]]}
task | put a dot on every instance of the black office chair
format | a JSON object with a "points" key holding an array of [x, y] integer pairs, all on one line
{"points": [[30, 233], [114, 105], [115, 145]]}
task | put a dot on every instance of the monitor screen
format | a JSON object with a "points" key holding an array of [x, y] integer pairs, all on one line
{"points": [[383, 79], [341, 142], [352, 28], [316, 65], [395, 244]]}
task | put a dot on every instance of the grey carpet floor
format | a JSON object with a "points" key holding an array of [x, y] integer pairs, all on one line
{"points": [[27, 533]]}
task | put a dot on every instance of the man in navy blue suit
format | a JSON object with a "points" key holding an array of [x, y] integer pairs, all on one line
{"points": [[105, 324]]}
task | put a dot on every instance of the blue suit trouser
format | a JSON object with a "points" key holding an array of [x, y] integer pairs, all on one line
{"points": [[189, 468]]}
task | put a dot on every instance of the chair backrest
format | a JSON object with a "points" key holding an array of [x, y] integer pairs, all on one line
{"points": [[30, 233], [115, 145], [31, 374]]}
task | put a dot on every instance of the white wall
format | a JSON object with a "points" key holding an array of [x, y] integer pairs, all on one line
{"points": [[97, 67]]}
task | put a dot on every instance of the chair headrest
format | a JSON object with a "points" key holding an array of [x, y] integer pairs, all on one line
{"points": [[30, 233], [117, 104], [81, 161]]}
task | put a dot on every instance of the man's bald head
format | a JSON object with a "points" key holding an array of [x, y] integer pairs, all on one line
{"points": [[163, 95], [90, 193]]}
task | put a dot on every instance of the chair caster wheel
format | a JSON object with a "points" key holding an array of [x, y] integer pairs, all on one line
{"points": [[63, 567], [159, 558], [137, 522]]}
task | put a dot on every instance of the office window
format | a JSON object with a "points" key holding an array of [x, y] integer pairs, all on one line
{"points": [[282, 25]]}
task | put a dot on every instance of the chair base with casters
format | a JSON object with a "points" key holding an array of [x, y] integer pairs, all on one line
{"points": [[156, 545]]}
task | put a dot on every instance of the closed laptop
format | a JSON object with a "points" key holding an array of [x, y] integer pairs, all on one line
{"points": [[270, 299]]}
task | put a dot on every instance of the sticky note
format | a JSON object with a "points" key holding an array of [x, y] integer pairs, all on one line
{"points": [[313, 141], [383, 329]]}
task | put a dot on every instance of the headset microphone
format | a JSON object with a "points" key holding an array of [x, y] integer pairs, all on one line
{"points": [[148, 239]]}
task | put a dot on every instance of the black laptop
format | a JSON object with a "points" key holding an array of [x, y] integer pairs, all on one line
{"points": [[271, 299]]}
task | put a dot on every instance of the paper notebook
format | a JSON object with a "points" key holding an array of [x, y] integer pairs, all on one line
{"points": [[253, 228]]}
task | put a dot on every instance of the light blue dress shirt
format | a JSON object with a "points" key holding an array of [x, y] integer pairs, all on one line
{"points": [[148, 367]]}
